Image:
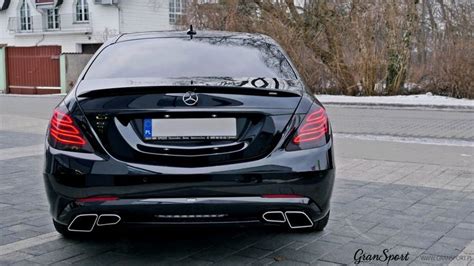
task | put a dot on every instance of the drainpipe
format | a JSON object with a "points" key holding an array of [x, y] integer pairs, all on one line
{"points": [[3, 69], [62, 73], [119, 9]]}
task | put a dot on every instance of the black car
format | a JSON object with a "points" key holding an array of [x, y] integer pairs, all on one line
{"points": [[169, 128]]}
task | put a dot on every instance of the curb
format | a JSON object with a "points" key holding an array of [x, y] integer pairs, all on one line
{"points": [[399, 105], [34, 95]]}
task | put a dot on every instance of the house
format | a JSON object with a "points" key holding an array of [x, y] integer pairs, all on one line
{"points": [[43, 42]]}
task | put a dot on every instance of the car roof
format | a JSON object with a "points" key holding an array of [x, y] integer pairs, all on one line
{"points": [[199, 34]]}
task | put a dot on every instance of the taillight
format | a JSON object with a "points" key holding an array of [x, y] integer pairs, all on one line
{"points": [[64, 133], [312, 132]]}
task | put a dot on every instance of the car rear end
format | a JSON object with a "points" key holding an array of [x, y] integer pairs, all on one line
{"points": [[187, 151]]}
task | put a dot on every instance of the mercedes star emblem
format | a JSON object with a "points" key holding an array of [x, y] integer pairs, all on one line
{"points": [[190, 98]]}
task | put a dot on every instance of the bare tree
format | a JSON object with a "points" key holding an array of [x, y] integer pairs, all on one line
{"points": [[361, 46]]}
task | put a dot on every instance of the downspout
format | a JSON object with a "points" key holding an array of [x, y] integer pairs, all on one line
{"points": [[3, 69], [63, 73], [119, 9]]}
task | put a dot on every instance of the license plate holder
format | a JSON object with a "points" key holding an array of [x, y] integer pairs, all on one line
{"points": [[190, 129]]}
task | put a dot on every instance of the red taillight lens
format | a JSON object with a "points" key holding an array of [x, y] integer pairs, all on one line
{"points": [[63, 131], [312, 131], [314, 127]]}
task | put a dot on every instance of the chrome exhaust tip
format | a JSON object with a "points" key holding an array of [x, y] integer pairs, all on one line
{"points": [[83, 223], [274, 217], [298, 219], [108, 219]]}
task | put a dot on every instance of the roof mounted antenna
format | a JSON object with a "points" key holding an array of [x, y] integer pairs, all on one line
{"points": [[191, 32]]}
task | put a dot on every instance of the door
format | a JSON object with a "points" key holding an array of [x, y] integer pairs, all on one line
{"points": [[33, 70]]}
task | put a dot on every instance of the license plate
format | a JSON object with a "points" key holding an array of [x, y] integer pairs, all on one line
{"points": [[190, 129]]}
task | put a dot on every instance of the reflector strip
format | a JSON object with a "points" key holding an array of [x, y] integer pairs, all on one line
{"points": [[98, 199], [282, 196]]}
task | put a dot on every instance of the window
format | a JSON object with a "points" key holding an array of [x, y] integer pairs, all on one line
{"points": [[53, 19], [176, 10], [25, 17], [82, 11], [201, 57]]}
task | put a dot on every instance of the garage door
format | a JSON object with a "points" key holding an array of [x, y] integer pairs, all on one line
{"points": [[33, 70]]}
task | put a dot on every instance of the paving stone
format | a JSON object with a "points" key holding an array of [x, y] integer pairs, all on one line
{"points": [[234, 260], [14, 257], [26, 234], [253, 252], [461, 233], [26, 263], [394, 240], [19, 227], [459, 243], [263, 262], [320, 248], [417, 241], [347, 231], [444, 249], [383, 230], [294, 255], [469, 218], [214, 253], [296, 245], [324, 263], [56, 256], [189, 261], [373, 239], [8, 239], [272, 244], [289, 263], [333, 238], [108, 258], [467, 226]]}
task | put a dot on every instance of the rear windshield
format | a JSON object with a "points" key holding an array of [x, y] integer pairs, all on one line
{"points": [[183, 57]]}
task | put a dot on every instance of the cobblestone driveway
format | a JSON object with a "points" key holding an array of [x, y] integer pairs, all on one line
{"points": [[424, 209]]}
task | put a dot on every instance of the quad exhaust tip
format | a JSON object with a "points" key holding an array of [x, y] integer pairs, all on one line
{"points": [[295, 219], [85, 223], [108, 219], [274, 217], [298, 219]]}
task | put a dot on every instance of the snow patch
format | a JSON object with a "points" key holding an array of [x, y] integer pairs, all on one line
{"points": [[427, 141], [427, 100]]}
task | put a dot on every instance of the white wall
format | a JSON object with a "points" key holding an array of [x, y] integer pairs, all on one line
{"points": [[135, 15], [144, 15]]}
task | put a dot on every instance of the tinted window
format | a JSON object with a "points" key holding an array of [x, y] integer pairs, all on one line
{"points": [[183, 57]]}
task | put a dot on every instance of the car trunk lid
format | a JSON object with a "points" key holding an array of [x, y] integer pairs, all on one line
{"points": [[119, 117]]}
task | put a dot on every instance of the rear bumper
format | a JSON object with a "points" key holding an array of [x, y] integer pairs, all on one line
{"points": [[153, 195], [244, 203], [191, 211]]}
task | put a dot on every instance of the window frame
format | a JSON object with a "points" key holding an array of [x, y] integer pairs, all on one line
{"points": [[81, 11], [53, 18], [176, 11], [25, 18]]}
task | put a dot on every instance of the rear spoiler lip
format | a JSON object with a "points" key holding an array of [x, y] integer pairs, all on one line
{"points": [[183, 89], [250, 86]]}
